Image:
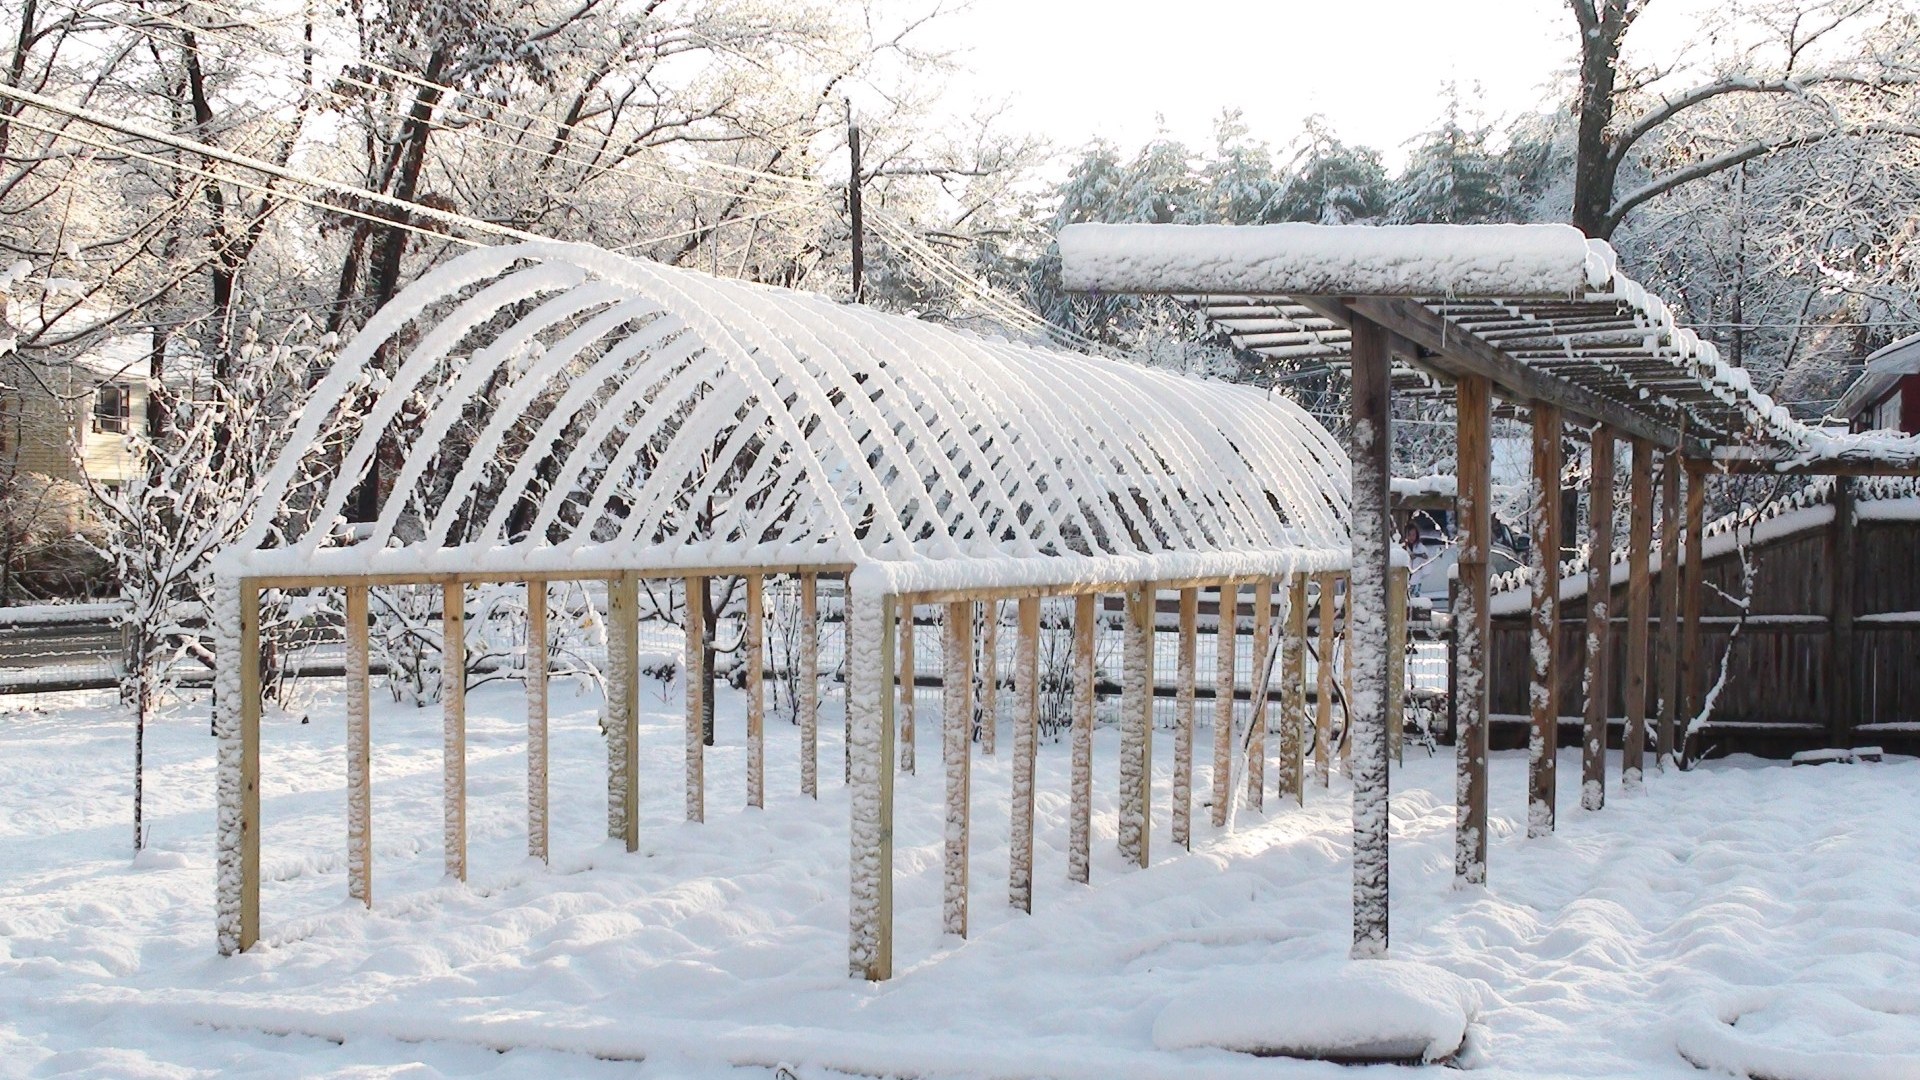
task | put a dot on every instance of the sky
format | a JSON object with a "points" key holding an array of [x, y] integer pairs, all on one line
{"points": [[1073, 70]]}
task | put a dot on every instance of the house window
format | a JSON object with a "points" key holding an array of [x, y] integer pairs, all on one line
{"points": [[1887, 416], [112, 407]]}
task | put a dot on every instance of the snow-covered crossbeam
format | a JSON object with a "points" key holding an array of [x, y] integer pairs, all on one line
{"points": [[1335, 260]]}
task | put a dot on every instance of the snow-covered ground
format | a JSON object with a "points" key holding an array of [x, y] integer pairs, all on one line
{"points": [[1784, 898]]}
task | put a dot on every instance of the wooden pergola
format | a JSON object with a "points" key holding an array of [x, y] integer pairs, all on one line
{"points": [[560, 413], [1540, 319]]}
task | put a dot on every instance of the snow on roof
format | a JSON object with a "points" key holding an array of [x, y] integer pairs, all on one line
{"points": [[559, 407], [1884, 369]]}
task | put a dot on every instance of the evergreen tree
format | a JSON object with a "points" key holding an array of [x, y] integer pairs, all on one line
{"points": [[1452, 175]]}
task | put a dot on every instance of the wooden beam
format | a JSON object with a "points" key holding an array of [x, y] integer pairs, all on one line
{"points": [[1843, 534], [1474, 457], [1692, 664], [810, 685], [757, 692], [534, 679], [453, 713], [1593, 741], [869, 636], [988, 703], [1226, 678], [956, 722], [1136, 728], [1543, 560], [1633, 745], [1026, 735], [1398, 585], [508, 577], [1733, 461], [1293, 695], [1262, 678], [1323, 685], [1080, 810], [359, 752], [623, 709], [695, 739], [1183, 721], [1669, 676], [907, 688], [1371, 451]]}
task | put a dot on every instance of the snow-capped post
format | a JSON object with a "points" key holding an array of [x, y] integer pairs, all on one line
{"points": [[1693, 666], [534, 675], [1398, 584], [1183, 721], [453, 723], [1136, 727], [359, 752], [869, 626], [1598, 682], [904, 605], [1843, 535], [236, 722], [1080, 810], [622, 722], [956, 722], [693, 668], [1633, 744], [1543, 565], [1474, 507], [1367, 613], [810, 685], [1323, 685], [1026, 734], [1262, 678], [757, 692], [1669, 678], [1225, 675], [1293, 695], [987, 700]]}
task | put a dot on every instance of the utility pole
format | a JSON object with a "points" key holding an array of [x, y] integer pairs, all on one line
{"points": [[853, 209]]}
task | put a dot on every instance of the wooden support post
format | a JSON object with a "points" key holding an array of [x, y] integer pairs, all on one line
{"points": [[1026, 736], [1398, 585], [1225, 681], [1633, 743], [359, 752], [1323, 685], [907, 689], [989, 702], [1262, 678], [1692, 665], [623, 705], [956, 724], [846, 741], [1293, 695], [1371, 451], [1346, 674], [696, 734], [245, 928], [1183, 721], [453, 711], [1543, 560], [1080, 810], [1136, 727], [810, 685], [1471, 625], [534, 677], [1843, 700], [1669, 608], [869, 630], [757, 693], [1593, 742]]}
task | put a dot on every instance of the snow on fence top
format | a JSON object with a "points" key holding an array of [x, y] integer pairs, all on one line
{"points": [[558, 407]]}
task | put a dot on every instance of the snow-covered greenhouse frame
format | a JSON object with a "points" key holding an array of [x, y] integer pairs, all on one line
{"points": [[554, 412]]}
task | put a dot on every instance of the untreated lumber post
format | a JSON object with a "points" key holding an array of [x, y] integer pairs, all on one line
{"points": [[956, 722], [1474, 491], [534, 678], [238, 887], [1183, 721], [1323, 685], [1225, 681], [1842, 699], [757, 693], [810, 685], [453, 717], [1692, 664], [1367, 611], [1136, 726], [907, 688], [1293, 695], [1543, 561], [1669, 608], [989, 703], [1633, 743], [1346, 675], [1593, 742], [1080, 809], [1026, 735], [696, 740], [623, 707], [359, 752], [1398, 586], [1260, 678], [869, 630]]}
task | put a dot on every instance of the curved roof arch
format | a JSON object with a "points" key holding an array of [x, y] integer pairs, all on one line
{"points": [[555, 407]]}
